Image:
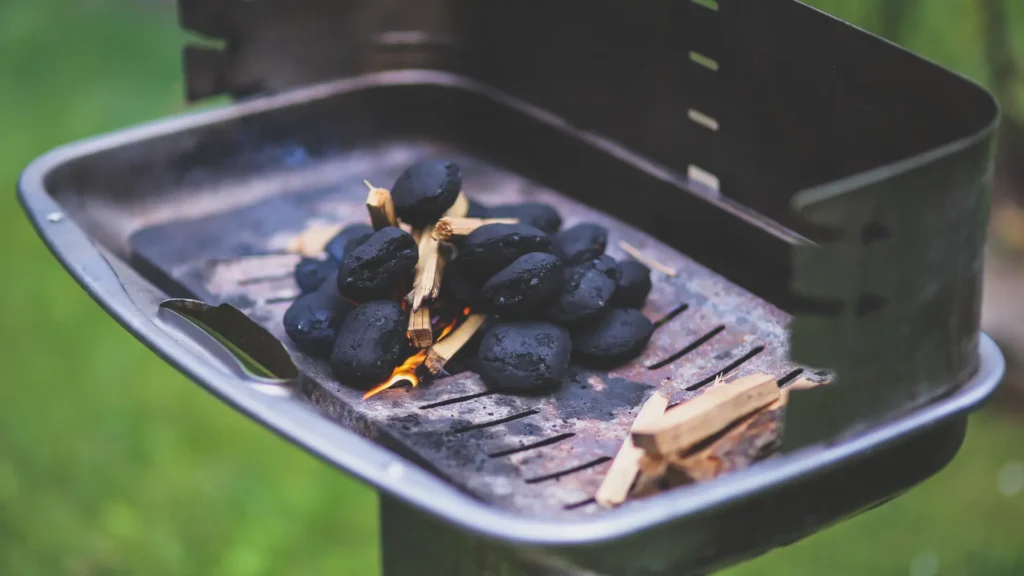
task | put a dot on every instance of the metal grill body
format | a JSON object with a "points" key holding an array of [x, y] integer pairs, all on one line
{"points": [[819, 219]]}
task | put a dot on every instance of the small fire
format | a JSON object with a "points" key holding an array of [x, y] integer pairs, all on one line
{"points": [[466, 311], [407, 371], [447, 330]]}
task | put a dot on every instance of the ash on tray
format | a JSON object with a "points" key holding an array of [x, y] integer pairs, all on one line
{"points": [[499, 288]]}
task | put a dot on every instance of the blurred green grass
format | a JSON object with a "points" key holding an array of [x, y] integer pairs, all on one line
{"points": [[111, 463]]}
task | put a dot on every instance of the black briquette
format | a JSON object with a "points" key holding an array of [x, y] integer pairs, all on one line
{"points": [[347, 240], [490, 248], [462, 283], [523, 356], [523, 286], [425, 190], [632, 284], [616, 336], [372, 270], [586, 291], [580, 243], [540, 216], [312, 321], [371, 344], [311, 273]]}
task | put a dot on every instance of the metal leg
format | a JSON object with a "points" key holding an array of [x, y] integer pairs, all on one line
{"points": [[414, 544]]}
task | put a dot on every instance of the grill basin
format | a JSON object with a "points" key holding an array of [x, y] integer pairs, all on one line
{"points": [[539, 456], [201, 206]]}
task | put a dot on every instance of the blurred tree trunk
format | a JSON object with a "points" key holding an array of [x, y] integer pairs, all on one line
{"points": [[1004, 79]]}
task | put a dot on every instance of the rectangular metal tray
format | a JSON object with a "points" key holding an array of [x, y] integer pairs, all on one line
{"points": [[240, 180]]}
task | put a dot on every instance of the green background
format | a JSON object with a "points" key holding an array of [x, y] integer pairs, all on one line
{"points": [[112, 463]]}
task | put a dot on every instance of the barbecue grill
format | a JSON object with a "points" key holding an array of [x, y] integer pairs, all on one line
{"points": [[822, 193]]}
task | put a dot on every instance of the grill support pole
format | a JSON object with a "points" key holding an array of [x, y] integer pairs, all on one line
{"points": [[413, 544]]}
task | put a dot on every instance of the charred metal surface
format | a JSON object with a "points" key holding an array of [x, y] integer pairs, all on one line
{"points": [[569, 434]]}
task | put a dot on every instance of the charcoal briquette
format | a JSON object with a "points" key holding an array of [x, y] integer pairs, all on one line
{"points": [[580, 243], [528, 283], [606, 265], [632, 284], [371, 344], [425, 190], [462, 283], [586, 291], [523, 356], [614, 337], [372, 270], [312, 321], [490, 248], [347, 240], [311, 273], [540, 216]]}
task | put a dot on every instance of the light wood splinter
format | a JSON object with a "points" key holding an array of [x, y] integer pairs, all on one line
{"points": [[449, 227], [426, 284], [626, 465], [381, 207], [442, 352], [421, 334], [713, 411], [646, 260]]}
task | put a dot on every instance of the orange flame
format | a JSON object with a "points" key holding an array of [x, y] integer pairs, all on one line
{"points": [[407, 371], [466, 311], [446, 330]]}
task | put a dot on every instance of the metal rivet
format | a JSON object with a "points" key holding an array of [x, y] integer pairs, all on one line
{"points": [[55, 216]]}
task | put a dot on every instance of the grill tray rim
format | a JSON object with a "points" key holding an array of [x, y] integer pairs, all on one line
{"points": [[109, 281]]}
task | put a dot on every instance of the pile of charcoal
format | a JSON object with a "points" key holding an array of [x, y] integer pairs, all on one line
{"points": [[504, 288]]}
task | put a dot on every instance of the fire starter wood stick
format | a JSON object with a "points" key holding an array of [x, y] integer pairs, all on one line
{"points": [[381, 207], [429, 269], [752, 439], [707, 414], [616, 484], [448, 227], [421, 334], [642, 258], [442, 352]]}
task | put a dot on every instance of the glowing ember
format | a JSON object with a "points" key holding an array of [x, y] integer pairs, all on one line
{"points": [[407, 371], [466, 311]]}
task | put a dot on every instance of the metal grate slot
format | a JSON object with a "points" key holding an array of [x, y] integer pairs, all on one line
{"points": [[732, 366], [567, 471], [456, 400], [579, 504], [538, 444], [689, 348], [790, 377], [496, 422], [668, 317]]}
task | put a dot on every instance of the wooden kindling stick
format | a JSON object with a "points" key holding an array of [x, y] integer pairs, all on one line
{"points": [[646, 260], [626, 465], [426, 284], [448, 227], [695, 420], [381, 207], [440, 353], [421, 333], [748, 441]]}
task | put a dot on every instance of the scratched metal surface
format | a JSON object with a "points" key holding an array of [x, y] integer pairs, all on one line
{"points": [[540, 456]]}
